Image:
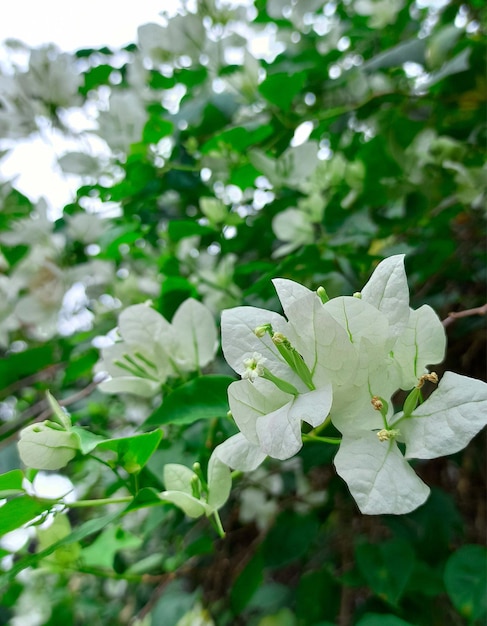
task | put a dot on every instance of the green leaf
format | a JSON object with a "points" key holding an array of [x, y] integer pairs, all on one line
{"points": [[179, 229], [204, 397], [318, 597], [19, 511], [281, 89], [85, 530], [379, 565], [60, 415], [290, 538], [156, 128], [247, 583], [133, 452], [87, 441], [102, 551], [377, 619], [11, 483], [466, 581], [23, 364], [65, 555]]}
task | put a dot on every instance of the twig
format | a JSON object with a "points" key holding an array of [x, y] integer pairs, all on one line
{"points": [[479, 310], [28, 380], [41, 411]]}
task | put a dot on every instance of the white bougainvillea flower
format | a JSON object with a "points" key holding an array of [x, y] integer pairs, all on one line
{"points": [[345, 358], [188, 490], [152, 349], [238, 452], [379, 477], [287, 367], [271, 418]]}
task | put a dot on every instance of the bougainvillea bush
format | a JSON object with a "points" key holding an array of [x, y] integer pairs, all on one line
{"points": [[243, 369]]}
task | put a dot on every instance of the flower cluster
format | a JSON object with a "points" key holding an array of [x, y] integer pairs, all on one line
{"points": [[152, 349], [342, 360]]}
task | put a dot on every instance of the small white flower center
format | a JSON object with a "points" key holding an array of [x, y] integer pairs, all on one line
{"points": [[254, 366]]}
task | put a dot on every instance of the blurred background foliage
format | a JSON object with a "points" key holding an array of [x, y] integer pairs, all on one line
{"points": [[235, 144]]}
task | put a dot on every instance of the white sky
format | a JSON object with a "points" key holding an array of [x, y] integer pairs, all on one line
{"points": [[77, 24]]}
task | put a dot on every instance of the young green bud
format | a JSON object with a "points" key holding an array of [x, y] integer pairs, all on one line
{"points": [[323, 296]]}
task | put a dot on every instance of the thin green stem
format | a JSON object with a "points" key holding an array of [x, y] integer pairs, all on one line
{"points": [[218, 524], [83, 504], [333, 440], [321, 427]]}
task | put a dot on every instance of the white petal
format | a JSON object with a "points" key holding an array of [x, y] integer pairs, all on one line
{"points": [[130, 384], [289, 291], [279, 433], [367, 329], [239, 341], [313, 407], [249, 401], [387, 290], [321, 341], [141, 325], [239, 453], [422, 343], [195, 330], [378, 476], [447, 420]]}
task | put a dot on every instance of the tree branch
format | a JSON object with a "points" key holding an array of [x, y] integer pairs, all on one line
{"points": [[480, 310]]}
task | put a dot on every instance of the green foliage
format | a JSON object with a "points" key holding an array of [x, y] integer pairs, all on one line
{"points": [[358, 134]]}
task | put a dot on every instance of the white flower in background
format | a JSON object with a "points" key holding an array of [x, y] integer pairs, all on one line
{"points": [[43, 285], [36, 229], [52, 77], [8, 322], [380, 12], [293, 226], [85, 227], [213, 277], [291, 169], [123, 123], [152, 349]]}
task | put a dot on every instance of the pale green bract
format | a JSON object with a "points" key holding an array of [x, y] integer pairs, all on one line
{"points": [[49, 445], [186, 490], [345, 359], [152, 349]]}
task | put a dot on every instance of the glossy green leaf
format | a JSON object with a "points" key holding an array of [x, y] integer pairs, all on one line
{"points": [[102, 551], [11, 483], [19, 511], [466, 581], [133, 452], [201, 398], [378, 563]]}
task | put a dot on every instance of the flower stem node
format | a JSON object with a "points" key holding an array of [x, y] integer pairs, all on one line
{"points": [[431, 377], [387, 435]]}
